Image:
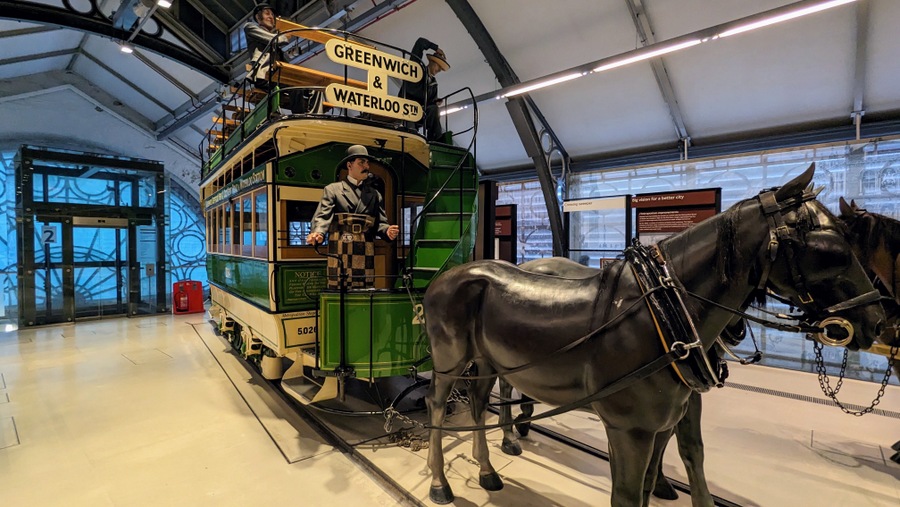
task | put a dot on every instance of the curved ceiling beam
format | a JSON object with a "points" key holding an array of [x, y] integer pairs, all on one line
{"points": [[48, 15], [645, 32], [518, 108]]}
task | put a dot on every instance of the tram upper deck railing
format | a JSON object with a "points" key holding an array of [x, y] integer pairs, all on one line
{"points": [[255, 103]]}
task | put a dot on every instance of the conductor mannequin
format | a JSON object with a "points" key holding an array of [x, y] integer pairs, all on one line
{"points": [[352, 195]]}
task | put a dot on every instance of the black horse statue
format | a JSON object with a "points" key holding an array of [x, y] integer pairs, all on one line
{"points": [[687, 430], [564, 341], [876, 242]]}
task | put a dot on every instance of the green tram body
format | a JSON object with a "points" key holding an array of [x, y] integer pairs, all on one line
{"points": [[269, 297]]}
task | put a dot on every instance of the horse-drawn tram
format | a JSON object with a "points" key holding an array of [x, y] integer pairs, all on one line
{"points": [[276, 298], [332, 324]]}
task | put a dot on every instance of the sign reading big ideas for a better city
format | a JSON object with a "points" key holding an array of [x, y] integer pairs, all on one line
{"points": [[660, 215], [375, 99]]}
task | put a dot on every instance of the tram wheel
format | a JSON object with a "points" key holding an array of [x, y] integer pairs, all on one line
{"points": [[237, 342]]}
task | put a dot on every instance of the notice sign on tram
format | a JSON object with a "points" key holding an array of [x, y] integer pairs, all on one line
{"points": [[375, 99]]}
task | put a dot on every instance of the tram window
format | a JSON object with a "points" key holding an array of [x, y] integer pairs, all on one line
{"points": [[247, 227], [210, 231], [228, 223], [262, 229], [298, 215], [220, 237], [236, 229]]}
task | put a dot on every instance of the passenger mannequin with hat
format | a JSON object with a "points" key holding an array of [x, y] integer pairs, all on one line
{"points": [[260, 30], [425, 92], [352, 195]]}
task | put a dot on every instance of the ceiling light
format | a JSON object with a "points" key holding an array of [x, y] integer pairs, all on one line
{"points": [[778, 18], [752, 22], [646, 56], [126, 48], [165, 4], [453, 110], [543, 84]]}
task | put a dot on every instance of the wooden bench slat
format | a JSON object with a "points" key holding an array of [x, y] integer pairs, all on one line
{"points": [[313, 35], [294, 75], [235, 109]]}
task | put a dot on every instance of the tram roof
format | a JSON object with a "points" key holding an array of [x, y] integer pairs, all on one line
{"points": [[298, 135]]}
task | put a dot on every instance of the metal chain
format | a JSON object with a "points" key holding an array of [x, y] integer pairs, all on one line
{"points": [[457, 396], [404, 438], [832, 393], [467, 459], [391, 413], [824, 381]]}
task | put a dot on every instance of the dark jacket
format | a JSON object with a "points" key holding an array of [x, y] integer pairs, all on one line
{"points": [[427, 87], [340, 197]]}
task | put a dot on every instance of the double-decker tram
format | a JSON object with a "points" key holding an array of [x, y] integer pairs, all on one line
{"points": [[264, 173]]}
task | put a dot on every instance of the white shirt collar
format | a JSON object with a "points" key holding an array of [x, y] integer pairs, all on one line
{"points": [[353, 181]]}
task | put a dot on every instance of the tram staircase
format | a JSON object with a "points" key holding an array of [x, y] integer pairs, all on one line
{"points": [[445, 234]]}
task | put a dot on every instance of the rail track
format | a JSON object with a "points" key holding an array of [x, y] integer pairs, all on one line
{"points": [[373, 436]]}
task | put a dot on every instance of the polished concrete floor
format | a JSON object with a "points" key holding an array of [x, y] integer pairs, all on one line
{"points": [[156, 411]]}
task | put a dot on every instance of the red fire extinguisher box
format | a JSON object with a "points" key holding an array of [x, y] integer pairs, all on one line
{"points": [[187, 297]]}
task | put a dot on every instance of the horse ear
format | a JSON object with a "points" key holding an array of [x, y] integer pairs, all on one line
{"points": [[796, 185], [846, 210], [853, 205]]}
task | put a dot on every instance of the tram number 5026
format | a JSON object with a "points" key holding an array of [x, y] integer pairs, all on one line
{"points": [[306, 330]]}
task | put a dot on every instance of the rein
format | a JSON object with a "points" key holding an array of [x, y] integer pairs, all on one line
{"points": [[678, 351], [779, 233], [559, 351], [798, 328]]}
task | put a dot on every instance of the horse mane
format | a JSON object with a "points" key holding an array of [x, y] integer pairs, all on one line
{"points": [[731, 262], [729, 259], [886, 227]]}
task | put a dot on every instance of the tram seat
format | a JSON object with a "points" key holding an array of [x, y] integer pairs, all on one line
{"points": [[319, 36], [253, 95], [237, 113], [288, 74], [225, 121]]}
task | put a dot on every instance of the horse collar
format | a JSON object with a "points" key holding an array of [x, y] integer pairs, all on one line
{"points": [[674, 324]]}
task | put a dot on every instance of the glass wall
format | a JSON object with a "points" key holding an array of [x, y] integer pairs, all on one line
{"points": [[868, 172], [184, 229]]}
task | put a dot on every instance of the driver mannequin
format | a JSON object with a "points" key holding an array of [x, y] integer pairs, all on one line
{"points": [[353, 195]]}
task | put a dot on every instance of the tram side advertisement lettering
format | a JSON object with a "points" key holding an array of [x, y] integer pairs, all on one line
{"points": [[380, 66]]}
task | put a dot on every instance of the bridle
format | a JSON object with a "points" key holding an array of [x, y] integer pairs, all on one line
{"points": [[785, 238], [892, 285]]}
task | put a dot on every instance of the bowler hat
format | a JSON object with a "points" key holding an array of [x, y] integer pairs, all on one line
{"points": [[440, 58], [261, 7], [354, 152]]}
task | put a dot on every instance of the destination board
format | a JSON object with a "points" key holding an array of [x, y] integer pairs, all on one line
{"points": [[380, 66]]}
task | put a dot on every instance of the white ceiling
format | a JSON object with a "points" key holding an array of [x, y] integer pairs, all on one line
{"points": [[797, 75]]}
